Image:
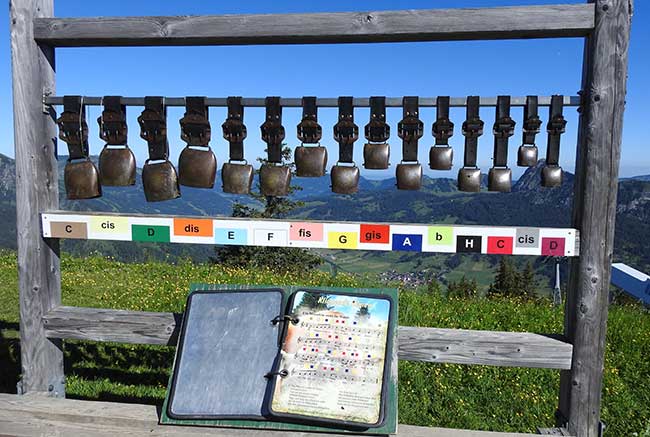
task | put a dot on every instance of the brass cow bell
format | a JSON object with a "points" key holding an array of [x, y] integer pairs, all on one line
{"points": [[500, 179], [237, 178], [551, 176], [197, 167], [81, 179], [527, 156], [409, 176], [376, 156], [441, 157], [311, 162], [117, 166], [160, 181], [275, 180], [345, 179], [469, 179]]}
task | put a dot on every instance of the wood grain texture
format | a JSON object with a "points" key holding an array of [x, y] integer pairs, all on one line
{"points": [[599, 143], [33, 415], [36, 191], [437, 345], [343, 27]]}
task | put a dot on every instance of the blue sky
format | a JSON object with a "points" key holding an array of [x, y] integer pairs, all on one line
{"points": [[487, 68]]}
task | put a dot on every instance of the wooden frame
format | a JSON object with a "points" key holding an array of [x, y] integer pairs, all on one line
{"points": [[605, 24]]}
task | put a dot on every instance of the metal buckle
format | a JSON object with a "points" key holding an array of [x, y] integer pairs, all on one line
{"points": [[345, 131], [73, 129], [195, 129], [309, 131], [272, 132], [443, 129], [377, 131], [504, 127], [234, 130], [532, 124], [410, 129], [112, 127], [473, 128], [556, 125], [153, 127]]}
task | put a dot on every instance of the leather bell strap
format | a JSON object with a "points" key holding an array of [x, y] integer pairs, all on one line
{"points": [[443, 128], [345, 131], [73, 121], [112, 123], [532, 122], [555, 127], [308, 130], [472, 130], [234, 129], [158, 145], [195, 124], [377, 130], [272, 129], [410, 128], [503, 129]]}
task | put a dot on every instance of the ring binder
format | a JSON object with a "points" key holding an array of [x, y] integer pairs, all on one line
{"points": [[285, 318]]}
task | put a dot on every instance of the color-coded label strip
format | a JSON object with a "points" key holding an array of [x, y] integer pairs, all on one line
{"points": [[324, 235]]}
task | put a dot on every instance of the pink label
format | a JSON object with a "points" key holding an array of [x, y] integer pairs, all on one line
{"points": [[306, 232], [552, 246]]}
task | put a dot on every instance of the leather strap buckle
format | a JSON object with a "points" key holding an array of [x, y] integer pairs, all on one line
{"points": [[308, 130], [153, 127], [112, 123], [556, 125], [272, 129], [504, 127], [195, 124], [443, 128], [377, 130], [73, 128], [345, 131]]}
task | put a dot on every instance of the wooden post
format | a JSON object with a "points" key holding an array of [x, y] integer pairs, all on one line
{"points": [[36, 191], [594, 213]]}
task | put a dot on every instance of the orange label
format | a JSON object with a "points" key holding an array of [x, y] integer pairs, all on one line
{"points": [[193, 227]]}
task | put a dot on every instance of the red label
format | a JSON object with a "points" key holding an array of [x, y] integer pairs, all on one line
{"points": [[375, 234], [552, 246], [500, 245]]}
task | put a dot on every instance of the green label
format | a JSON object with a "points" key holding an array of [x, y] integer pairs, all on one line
{"points": [[159, 234], [441, 235]]}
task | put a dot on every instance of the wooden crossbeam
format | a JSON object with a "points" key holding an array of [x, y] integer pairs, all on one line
{"points": [[316, 28], [436, 345]]}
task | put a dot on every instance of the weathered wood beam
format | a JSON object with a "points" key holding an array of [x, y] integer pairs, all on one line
{"points": [[594, 212], [437, 345], [35, 416], [316, 28], [36, 191]]}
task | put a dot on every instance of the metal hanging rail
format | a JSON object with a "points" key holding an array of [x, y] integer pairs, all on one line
{"points": [[325, 102]]}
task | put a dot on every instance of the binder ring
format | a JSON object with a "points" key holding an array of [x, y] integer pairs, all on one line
{"points": [[285, 318], [282, 374]]}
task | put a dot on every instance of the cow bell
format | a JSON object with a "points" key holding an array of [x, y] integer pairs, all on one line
{"points": [[345, 179], [311, 162], [197, 167], [409, 176], [81, 180], [469, 179], [116, 166], [527, 156], [376, 156], [500, 179], [275, 180], [160, 181], [441, 157], [237, 178], [551, 176]]}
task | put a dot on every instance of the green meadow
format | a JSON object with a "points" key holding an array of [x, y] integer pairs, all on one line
{"points": [[456, 396]]}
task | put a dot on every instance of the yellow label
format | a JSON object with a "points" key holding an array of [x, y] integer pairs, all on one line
{"points": [[109, 225], [342, 240]]}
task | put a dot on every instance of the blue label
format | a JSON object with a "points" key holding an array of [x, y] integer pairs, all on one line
{"points": [[237, 237], [409, 242]]}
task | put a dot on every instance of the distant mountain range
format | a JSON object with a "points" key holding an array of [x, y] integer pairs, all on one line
{"points": [[378, 200]]}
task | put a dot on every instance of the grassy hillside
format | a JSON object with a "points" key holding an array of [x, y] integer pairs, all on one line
{"points": [[478, 397]]}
